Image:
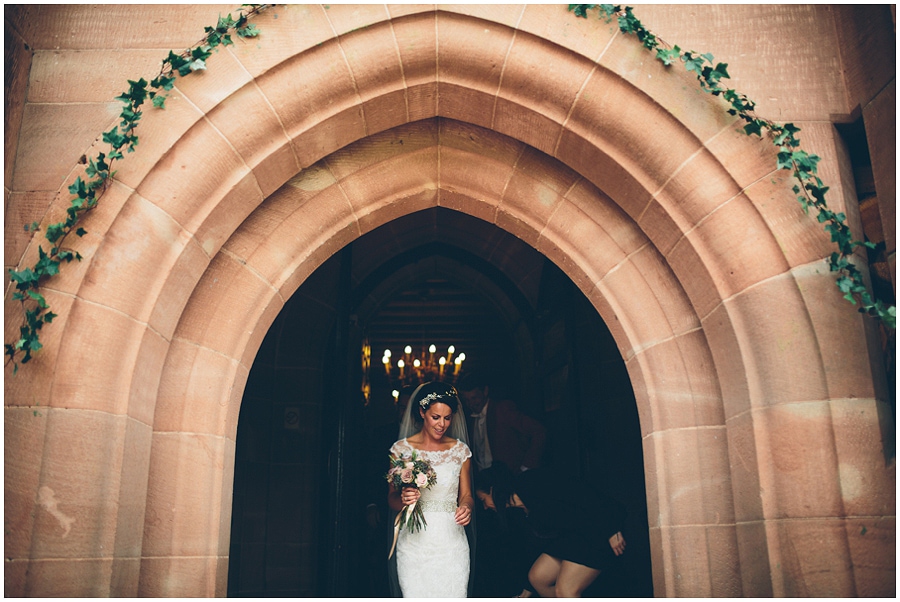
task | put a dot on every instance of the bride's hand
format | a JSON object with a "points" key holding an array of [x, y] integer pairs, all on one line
{"points": [[463, 515], [409, 495]]}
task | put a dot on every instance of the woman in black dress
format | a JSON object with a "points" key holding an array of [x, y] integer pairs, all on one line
{"points": [[579, 528]]}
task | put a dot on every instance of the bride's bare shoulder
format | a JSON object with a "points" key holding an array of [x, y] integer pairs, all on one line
{"points": [[415, 440]]}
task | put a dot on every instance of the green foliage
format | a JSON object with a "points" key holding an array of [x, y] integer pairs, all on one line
{"points": [[810, 189], [122, 138], [98, 172]]}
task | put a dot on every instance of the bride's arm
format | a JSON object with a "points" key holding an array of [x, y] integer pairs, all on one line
{"points": [[465, 502], [394, 499]]}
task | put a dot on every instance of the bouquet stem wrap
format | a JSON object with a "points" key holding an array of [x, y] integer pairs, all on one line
{"points": [[412, 517]]}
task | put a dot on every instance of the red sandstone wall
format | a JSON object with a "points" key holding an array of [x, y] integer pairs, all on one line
{"points": [[145, 507]]}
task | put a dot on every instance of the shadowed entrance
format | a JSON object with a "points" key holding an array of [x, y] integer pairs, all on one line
{"points": [[293, 432]]}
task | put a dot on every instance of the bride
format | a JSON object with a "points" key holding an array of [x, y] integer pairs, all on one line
{"points": [[434, 561]]}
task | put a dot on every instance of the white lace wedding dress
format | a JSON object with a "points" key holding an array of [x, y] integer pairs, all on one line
{"points": [[434, 562]]}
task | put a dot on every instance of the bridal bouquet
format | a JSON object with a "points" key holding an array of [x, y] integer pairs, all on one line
{"points": [[410, 471]]}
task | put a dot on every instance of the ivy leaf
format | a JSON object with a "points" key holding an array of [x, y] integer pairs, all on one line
{"points": [[175, 61], [136, 94], [818, 193], [754, 127], [96, 183], [225, 23], [114, 139], [838, 262], [668, 56], [628, 23], [250, 31], [721, 71], [99, 169], [42, 303], [580, 10], [163, 81], [784, 161], [129, 117], [889, 316], [159, 101], [201, 53], [24, 279], [55, 232], [606, 11], [46, 265], [693, 63], [845, 284], [786, 136], [647, 39], [198, 65], [739, 102], [804, 162], [78, 188]]}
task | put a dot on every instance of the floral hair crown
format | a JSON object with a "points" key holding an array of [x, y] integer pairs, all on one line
{"points": [[423, 403]]}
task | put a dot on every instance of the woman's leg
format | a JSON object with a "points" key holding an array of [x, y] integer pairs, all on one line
{"points": [[573, 579], [543, 575]]}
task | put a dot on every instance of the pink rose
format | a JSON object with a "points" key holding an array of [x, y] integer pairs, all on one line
{"points": [[421, 479], [409, 466], [407, 476]]}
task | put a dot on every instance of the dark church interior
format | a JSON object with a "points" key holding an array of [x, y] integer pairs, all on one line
{"points": [[310, 437]]}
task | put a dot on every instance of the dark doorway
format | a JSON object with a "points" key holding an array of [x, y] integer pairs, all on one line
{"points": [[434, 277]]}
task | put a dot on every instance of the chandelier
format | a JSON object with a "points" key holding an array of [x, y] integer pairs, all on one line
{"points": [[422, 367], [413, 366]]}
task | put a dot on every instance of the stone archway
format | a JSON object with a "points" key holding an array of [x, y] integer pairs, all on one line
{"points": [[638, 189]]}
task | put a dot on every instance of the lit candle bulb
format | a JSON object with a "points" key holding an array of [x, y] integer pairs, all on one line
{"points": [[402, 365], [431, 351], [442, 361], [386, 360], [395, 394], [450, 350], [457, 364]]}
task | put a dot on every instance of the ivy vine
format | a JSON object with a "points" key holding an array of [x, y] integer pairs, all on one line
{"points": [[810, 189], [122, 139], [99, 172]]}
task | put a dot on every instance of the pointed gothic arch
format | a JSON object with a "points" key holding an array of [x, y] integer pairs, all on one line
{"points": [[673, 224]]}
